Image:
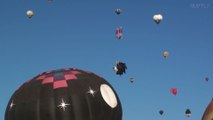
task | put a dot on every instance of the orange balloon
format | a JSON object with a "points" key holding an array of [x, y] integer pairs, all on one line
{"points": [[208, 113]]}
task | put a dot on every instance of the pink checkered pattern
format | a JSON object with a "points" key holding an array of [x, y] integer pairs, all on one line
{"points": [[47, 79]]}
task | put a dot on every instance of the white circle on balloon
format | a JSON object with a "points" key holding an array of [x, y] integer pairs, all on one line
{"points": [[108, 95]]}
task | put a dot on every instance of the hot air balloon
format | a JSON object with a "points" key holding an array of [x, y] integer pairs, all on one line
{"points": [[118, 11], [161, 112], [206, 78], [174, 91], [119, 33], [188, 113], [65, 94], [120, 68], [131, 79], [165, 54], [157, 18], [208, 113], [30, 13]]}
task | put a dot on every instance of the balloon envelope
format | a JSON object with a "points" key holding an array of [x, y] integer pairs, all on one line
{"points": [[188, 113], [131, 80], [208, 113], [173, 91], [119, 33], [120, 68], [161, 112], [206, 78], [65, 94], [118, 11], [157, 18], [165, 54], [30, 13]]}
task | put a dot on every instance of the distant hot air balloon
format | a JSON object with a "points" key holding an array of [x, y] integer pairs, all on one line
{"points": [[174, 91], [65, 94], [131, 79], [165, 54], [30, 13], [188, 113], [120, 68], [161, 112], [208, 113], [206, 78], [118, 11], [157, 18], [119, 33]]}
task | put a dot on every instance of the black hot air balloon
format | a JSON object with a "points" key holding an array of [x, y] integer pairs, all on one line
{"points": [[65, 94], [120, 68], [161, 112], [188, 113], [118, 11]]}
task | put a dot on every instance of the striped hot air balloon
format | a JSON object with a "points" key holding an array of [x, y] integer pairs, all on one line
{"points": [[208, 114]]}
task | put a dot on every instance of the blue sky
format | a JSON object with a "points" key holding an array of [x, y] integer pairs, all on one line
{"points": [[81, 34]]}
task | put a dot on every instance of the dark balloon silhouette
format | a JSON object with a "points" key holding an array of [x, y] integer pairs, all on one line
{"points": [[120, 68], [206, 78], [65, 94], [118, 11], [188, 113], [161, 112]]}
